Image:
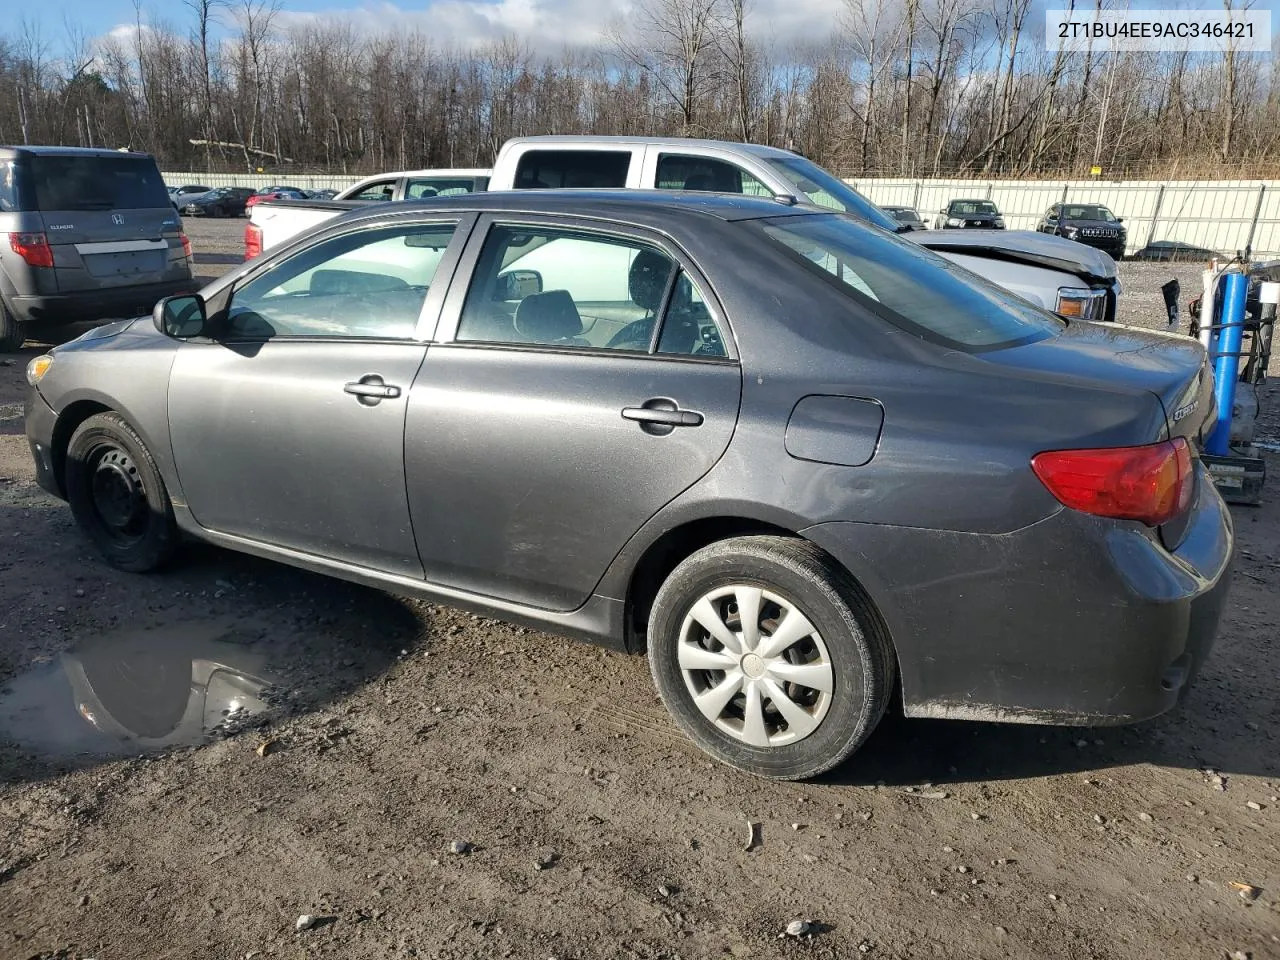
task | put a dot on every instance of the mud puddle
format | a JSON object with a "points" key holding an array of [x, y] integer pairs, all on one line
{"points": [[133, 692]]}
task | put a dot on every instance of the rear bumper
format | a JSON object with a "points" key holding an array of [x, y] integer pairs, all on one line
{"points": [[110, 303], [1073, 620], [40, 419]]}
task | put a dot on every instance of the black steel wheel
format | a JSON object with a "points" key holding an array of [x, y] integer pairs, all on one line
{"points": [[118, 496]]}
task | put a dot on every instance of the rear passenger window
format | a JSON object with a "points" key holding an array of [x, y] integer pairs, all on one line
{"points": [[369, 284], [551, 169], [677, 172], [564, 288], [8, 186], [420, 189]]}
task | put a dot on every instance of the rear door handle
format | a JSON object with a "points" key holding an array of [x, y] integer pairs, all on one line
{"points": [[660, 416], [371, 389]]}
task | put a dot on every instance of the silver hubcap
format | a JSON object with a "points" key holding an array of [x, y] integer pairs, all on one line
{"points": [[755, 666]]}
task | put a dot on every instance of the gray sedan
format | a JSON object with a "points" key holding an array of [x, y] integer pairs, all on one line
{"points": [[812, 468]]}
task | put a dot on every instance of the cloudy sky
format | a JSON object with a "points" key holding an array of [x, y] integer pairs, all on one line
{"points": [[548, 25]]}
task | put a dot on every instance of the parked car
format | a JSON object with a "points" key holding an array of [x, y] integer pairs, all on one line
{"points": [[969, 215], [274, 193], [180, 194], [1048, 271], [1087, 223], [907, 216], [320, 194], [91, 234], [560, 403], [270, 226], [221, 202]]}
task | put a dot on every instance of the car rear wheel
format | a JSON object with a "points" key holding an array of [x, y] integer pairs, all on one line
{"points": [[118, 496], [769, 657], [13, 333]]}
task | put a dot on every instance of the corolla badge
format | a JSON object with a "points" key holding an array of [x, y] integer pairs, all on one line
{"points": [[1185, 411], [117, 219]]}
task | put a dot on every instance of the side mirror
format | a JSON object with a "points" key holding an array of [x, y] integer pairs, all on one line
{"points": [[943, 210], [180, 317], [517, 284], [1119, 219]]}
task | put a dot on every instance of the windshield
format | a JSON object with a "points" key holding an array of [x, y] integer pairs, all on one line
{"points": [[909, 286], [905, 214], [1091, 211], [973, 206], [828, 191], [96, 183]]}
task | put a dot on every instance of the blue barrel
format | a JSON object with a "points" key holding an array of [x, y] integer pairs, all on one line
{"points": [[1224, 352]]}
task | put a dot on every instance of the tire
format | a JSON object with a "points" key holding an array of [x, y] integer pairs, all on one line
{"points": [[13, 332], [844, 649], [118, 496]]}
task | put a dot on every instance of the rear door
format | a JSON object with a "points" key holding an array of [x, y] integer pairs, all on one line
{"points": [[583, 382], [108, 219]]}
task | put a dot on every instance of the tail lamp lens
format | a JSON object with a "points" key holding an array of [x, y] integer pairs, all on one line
{"points": [[1151, 483], [33, 248], [186, 246], [252, 241]]}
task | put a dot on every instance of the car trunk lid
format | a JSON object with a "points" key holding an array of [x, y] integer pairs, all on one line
{"points": [[1112, 356]]}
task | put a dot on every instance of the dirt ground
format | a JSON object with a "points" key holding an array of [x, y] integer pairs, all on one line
{"points": [[395, 728]]}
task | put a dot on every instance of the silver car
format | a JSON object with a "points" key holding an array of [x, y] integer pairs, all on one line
{"points": [[92, 234]]}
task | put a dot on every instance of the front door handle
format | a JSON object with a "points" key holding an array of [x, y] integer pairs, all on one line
{"points": [[371, 389], [660, 416]]}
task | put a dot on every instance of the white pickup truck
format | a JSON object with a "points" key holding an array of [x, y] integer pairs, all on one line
{"points": [[1058, 274], [273, 222]]}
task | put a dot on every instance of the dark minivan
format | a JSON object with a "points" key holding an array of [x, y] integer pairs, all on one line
{"points": [[91, 234]]}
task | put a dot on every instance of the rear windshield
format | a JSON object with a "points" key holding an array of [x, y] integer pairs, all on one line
{"points": [[909, 286], [95, 183]]}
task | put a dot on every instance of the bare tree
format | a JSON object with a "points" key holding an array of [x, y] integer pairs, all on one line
{"points": [[672, 42]]}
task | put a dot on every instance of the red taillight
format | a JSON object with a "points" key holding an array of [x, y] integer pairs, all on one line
{"points": [[33, 248], [1151, 483], [252, 241], [186, 246]]}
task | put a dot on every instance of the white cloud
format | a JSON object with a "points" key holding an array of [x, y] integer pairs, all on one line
{"points": [[551, 25]]}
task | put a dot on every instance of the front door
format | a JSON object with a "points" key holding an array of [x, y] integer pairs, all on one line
{"points": [[588, 384], [289, 430]]}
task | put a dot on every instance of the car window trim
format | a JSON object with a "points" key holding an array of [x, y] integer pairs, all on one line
{"points": [[446, 332], [437, 291]]}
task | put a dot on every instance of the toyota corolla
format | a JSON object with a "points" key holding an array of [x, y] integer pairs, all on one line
{"points": [[809, 467]]}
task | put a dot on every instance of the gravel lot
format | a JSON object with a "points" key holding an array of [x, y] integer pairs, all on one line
{"points": [[393, 728]]}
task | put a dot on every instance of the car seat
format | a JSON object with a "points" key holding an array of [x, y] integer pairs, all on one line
{"points": [[550, 317]]}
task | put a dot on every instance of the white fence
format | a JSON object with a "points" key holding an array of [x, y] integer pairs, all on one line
{"points": [[1217, 214], [1222, 215]]}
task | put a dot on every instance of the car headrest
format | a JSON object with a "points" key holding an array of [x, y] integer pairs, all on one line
{"points": [[647, 281], [548, 317]]}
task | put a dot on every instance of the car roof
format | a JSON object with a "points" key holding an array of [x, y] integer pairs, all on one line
{"points": [[449, 172], [973, 200], [757, 149], [49, 151], [639, 207]]}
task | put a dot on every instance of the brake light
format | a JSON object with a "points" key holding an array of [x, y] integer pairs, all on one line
{"points": [[186, 246], [33, 248], [252, 241], [1151, 483]]}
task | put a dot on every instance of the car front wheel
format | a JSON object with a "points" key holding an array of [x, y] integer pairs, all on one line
{"points": [[118, 496], [769, 657]]}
